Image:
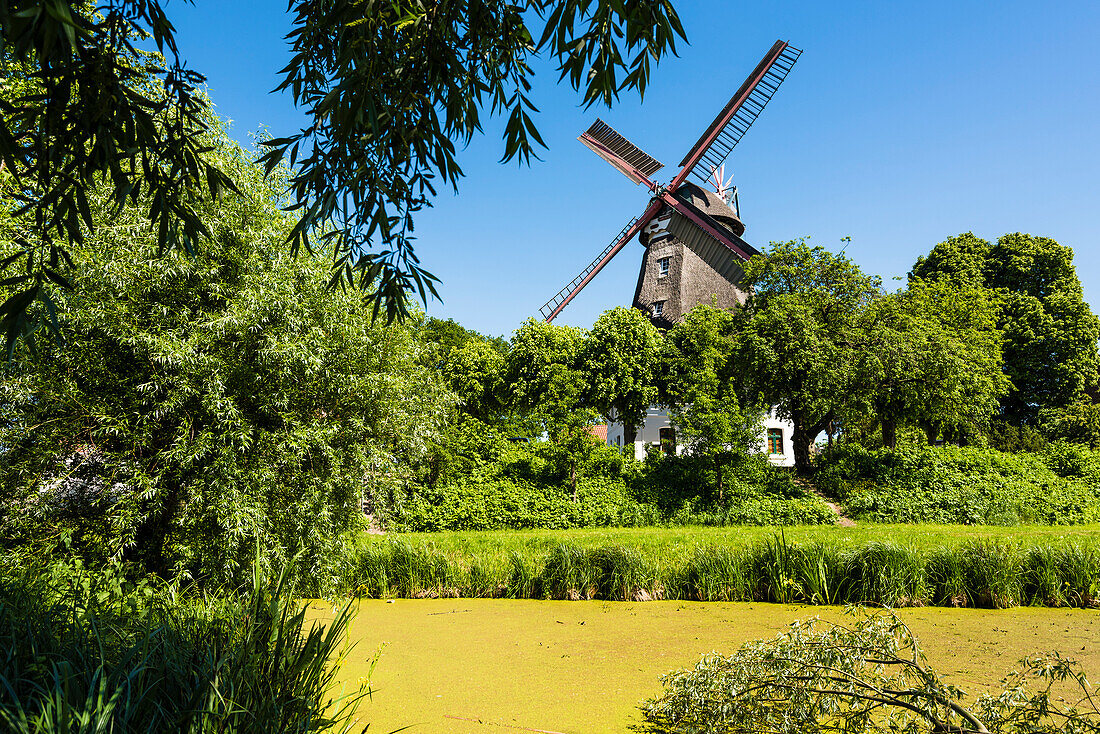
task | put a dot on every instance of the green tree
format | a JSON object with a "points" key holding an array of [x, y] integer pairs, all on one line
{"points": [[391, 88], [475, 373], [702, 377], [620, 359], [797, 335], [1050, 334], [204, 405], [547, 384], [930, 356], [959, 260]]}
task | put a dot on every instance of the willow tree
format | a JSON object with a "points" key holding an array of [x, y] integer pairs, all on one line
{"points": [[201, 406], [393, 89]]}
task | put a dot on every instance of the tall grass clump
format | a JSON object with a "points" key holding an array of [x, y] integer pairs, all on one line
{"points": [[986, 573], [772, 564], [820, 570], [524, 581], [945, 572], [994, 573], [885, 573], [716, 573], [87, 651], [399, 568], [568, 574], [1061, 576]]}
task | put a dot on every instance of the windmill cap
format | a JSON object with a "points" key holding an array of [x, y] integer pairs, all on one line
{"points": [[712, 205]]}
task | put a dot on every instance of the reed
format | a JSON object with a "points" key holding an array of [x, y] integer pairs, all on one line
{"points": [[87, 652], [993, 573]]}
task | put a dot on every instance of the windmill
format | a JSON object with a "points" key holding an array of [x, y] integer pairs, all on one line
{"points": [[692, 235]]}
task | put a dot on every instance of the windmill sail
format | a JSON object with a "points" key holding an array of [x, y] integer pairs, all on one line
{"points": [[632, 161], [554, 306], [738, 115]]}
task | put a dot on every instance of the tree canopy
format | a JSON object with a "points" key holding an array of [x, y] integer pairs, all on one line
{"points": [[620, 357], [1050, 334], [392, 88], [203, 405], [798, 341]]}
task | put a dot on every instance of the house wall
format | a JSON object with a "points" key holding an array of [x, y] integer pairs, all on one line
{"points": [[657, 418]]}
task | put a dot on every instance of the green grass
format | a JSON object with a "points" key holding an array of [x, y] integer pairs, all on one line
{"points": [[674, 545], [896, 565]]}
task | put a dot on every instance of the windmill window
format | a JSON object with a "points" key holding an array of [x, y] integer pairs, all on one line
{"points": [[775, 441], [662, 267], [659, 308]]}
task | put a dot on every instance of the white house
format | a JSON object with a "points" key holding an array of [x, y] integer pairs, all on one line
{"points": [[775, 439]]}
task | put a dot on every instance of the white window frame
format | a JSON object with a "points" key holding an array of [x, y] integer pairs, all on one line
{"points": [[658, 308], [662, 267]]}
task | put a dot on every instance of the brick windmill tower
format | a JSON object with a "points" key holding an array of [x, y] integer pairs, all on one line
{"points": [[692, 234]]}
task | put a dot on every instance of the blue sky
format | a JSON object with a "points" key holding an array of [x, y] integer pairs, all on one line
{"points": [[902, 124]]}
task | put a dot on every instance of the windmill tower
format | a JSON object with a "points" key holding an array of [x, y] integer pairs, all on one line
{"points": [[692, 235]]}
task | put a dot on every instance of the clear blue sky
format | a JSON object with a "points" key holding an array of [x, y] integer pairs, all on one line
{"points": [[902, 124]]}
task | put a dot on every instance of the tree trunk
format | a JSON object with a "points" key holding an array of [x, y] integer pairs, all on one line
{"points": [[718, 470], [803, 437], [800, 443], [931, 432], [889, 433], [151, 536], [630, 435]]}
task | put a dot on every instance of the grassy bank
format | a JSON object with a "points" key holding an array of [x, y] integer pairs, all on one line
{"points": [[894, 565]]}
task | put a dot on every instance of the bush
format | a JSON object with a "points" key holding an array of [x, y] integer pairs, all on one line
{"points": [[968, 486], [478, 480], [203, 404]]}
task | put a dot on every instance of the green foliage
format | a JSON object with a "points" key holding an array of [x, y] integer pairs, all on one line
{"points": [[797, 334], [930, 356], [1005, 436], [620, 358], [866, 676], [975, 573], [91, 650], [81, 107], [963, 485], [479, 480], [514, 503], [203, 404], [1050, 335], [393, 86], [547, 383], [702, 378]]}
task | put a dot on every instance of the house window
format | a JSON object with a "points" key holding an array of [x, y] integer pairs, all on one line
{"points": [[659, 308], [662, 267], [668, 440], [775, 441]]}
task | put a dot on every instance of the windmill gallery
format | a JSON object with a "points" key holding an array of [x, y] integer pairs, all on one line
{"points": [[691, 235]]}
